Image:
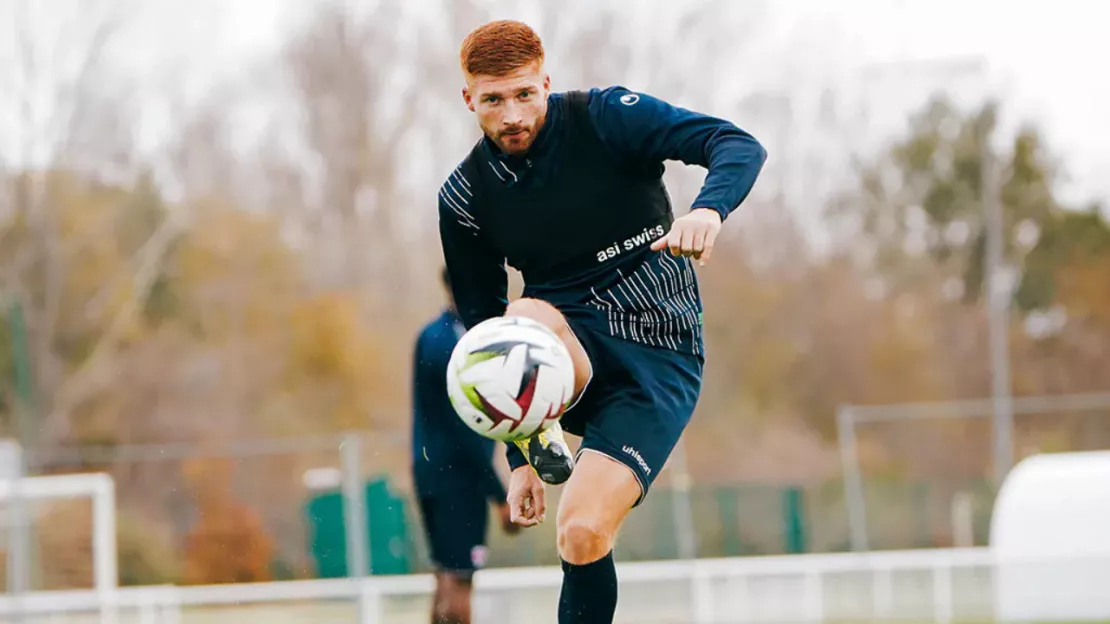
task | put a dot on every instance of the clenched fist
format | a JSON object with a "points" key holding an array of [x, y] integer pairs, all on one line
{"points": [[692, 235]]}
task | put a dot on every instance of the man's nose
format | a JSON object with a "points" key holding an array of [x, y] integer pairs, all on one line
{"points": [[513, 115]]}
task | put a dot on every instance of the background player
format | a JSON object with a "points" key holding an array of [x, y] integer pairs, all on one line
{"points": [[567, 188], [453, 473]]}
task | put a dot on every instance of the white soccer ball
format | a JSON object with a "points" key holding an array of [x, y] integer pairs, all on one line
{"points": [[510, 377]]}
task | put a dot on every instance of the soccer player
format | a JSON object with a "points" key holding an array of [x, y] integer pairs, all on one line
{"points": [[453, 473], [567, 188]]}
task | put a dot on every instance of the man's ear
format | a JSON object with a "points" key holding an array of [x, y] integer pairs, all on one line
{"points": [[547, 83], [468, 99]]}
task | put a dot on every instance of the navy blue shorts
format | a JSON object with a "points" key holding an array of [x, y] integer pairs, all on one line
{"points": [[637, 402], [455, 524]]}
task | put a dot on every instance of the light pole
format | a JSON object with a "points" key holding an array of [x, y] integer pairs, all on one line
{"points": [[998, 293]]}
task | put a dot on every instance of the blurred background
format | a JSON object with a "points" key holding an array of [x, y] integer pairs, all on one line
{"points": [[218, 243]]}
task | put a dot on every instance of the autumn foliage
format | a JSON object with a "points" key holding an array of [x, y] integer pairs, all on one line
{"points": [[228, 542]]}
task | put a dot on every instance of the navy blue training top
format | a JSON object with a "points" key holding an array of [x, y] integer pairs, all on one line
{"points": [[448, 456], [623, 289]]}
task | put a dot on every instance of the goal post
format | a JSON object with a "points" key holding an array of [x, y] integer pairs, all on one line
{"points": [[100, 489], [848, 417]]}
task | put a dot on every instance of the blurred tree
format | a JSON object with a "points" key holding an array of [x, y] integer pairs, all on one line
{"points": [[1067, 239], [228, 543], [914, 228], [335, 363], [923, 199], [71, 132], [356, 112], [98, 294]]}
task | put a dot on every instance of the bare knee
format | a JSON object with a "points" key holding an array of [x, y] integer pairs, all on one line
{"points": [[594, 504], [538, 311], [583, 539]]}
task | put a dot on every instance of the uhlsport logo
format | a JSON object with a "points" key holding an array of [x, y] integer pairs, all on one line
{"points": [[639, 460], [629, 99]]}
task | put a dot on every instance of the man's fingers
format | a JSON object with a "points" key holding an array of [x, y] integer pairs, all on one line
{"points": [[707, 246], [516, 508], [528, 516], [528, 509], [674, 240], [539, 502], [687, 246], [667, 242], [688, 239], [523, 516], [699, 242], [528, 521]]}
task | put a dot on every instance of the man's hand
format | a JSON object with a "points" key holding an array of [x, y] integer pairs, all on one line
{"points": [[692, 235], [526, 497], [505, 515]]}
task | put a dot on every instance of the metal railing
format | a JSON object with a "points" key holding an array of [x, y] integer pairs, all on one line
{"points": [[941, 586]]}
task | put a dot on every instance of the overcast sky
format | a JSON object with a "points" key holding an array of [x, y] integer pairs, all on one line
{"points": [[1049, 59]]}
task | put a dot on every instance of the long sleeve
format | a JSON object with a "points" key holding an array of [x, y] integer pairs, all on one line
{"points": [[640, 127], [479, 281], [514, 456]]}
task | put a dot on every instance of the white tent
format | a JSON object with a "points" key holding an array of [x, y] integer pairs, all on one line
{"points": [[1050, 534]]}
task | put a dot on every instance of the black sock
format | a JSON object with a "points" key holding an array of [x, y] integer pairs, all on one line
{"points": [[589, 594]]}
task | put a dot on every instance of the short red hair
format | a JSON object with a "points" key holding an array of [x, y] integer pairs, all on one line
{"points": [[499, 48]]}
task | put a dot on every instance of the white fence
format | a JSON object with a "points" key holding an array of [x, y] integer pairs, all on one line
{"points": [[924, 586]]}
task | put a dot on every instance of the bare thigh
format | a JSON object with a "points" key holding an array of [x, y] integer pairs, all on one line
{"points": [[595, 501]]}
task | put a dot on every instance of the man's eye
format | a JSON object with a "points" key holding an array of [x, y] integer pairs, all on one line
{"points": [[524, 95]]}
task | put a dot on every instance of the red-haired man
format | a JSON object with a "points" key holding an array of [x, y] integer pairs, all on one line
{"points": [[567, 188]]}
